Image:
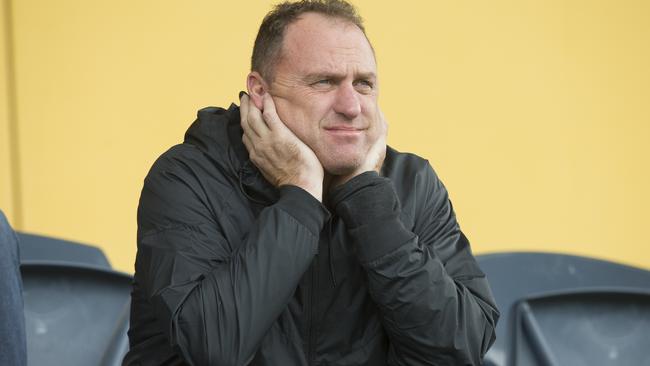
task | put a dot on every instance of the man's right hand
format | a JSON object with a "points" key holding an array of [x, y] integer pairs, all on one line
{"points": [[281, 156]]}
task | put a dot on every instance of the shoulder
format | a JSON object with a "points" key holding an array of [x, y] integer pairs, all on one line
{"points": [[417, 185], [179, 163], [184, 186], [207, 152], [408, 170]]}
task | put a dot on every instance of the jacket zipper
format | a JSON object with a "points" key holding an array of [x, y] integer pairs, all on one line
{"points": [[313, 297], [311, 334]]}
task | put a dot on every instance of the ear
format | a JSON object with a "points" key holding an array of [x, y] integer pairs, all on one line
{"points": [[257, 87]]}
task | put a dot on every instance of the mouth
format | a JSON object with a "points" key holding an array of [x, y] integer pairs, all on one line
{"points": [[344, 131]]}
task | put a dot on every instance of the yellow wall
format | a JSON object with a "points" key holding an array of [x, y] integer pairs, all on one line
{"points": [[6, 153], [536, 114]]}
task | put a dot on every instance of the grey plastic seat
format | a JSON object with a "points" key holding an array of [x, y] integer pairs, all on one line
{"points": [[76, 306], [47, 250], [566, 310]]}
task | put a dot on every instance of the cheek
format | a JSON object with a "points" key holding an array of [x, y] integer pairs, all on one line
{"points": [[297, 118], [297, 122], [307, 133], [369, 107], [283, 109]]}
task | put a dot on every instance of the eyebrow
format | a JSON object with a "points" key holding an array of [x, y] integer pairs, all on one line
{"points": [[338, 76]]}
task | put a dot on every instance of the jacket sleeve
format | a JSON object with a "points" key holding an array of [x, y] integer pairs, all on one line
{"points": [[436, 304], [215, 299]]}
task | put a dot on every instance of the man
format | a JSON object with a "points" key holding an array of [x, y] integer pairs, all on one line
{"points": [[285, 232]]}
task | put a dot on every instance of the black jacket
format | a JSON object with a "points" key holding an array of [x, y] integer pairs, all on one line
{"points": [[232, 271]]}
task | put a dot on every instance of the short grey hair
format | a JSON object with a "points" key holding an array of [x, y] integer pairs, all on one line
{"points": [[268, 43]]}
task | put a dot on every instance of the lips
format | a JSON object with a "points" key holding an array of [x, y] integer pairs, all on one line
{"points": [[344, 131], [343, 128]]}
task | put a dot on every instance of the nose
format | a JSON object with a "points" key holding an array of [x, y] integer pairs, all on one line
{"points": [[347, 101]]}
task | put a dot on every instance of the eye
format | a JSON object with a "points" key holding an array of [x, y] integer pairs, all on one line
{"points": [[322, 83], [364, 84]]}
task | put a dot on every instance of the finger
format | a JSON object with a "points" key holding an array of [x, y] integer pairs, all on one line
{"points": [[248, 143], [383, 123], [250, 117], [270, 114], [243, 112], [256, 121]]}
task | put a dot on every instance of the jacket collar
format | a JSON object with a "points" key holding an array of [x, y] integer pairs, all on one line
{"points": [[251, 181]]}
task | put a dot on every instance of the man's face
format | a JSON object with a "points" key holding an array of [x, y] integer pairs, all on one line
{"points": [[325, 90]]}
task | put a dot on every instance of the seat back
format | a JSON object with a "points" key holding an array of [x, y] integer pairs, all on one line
{"points": [[74, 314], [46, 250], [566, 310], [76, 307]]}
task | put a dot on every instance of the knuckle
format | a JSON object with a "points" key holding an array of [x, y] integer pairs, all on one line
{"points": [[292, 148], [269, 116]]}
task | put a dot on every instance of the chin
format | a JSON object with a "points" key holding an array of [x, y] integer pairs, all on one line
{"points": [[341, 161], [341, 167]]}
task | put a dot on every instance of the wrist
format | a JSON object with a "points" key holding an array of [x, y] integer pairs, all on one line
{"points": [[303, 207], [313, 185]]}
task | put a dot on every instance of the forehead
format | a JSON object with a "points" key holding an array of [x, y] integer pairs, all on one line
{"points": [[316, 43]]}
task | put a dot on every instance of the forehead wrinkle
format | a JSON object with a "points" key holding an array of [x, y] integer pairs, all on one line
{"points": [[338, 74], [332, 65], [307, 32], [308, 50]]}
